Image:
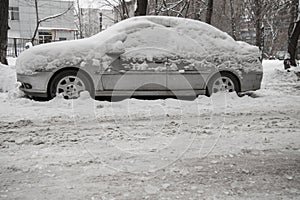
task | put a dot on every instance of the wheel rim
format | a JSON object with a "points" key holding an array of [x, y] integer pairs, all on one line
{"points": [[70, 87], [223, 84]]}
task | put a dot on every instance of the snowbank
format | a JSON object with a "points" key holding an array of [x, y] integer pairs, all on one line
{"points": [[277, 81], [185, 38], [279, 87], [8, 78]]}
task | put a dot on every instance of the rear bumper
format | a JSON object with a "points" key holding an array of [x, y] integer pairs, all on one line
{"points": [[251, 81], [35, 84]]}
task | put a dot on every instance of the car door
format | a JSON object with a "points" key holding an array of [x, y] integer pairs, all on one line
{"points": [[185, 76], [133, 72], [149, 51]]}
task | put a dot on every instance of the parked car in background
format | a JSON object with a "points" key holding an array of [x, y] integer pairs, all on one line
{"points": [[149, 55]]}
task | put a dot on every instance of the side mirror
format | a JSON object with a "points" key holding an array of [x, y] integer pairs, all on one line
{"points": [[115, 49]]}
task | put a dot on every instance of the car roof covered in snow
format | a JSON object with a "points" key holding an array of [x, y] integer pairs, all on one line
{"points": [[185, 37]]}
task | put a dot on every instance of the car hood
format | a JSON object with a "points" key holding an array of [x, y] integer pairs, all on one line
{"points": [[200, 39], [47, 57]]}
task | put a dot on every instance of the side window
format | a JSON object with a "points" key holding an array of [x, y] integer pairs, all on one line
{"points": [[185, 64], [146, 59], [14, 13], [154, 37], [160, 47], [116, 66]]}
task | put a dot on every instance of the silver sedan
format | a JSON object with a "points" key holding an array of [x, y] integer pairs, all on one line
{"points": [[140, 56]]}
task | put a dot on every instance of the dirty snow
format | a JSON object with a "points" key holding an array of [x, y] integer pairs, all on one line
{"points": [[224, 147], [185, 38]]}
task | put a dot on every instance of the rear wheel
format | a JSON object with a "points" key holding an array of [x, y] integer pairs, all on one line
{"points": [[223, 82], [69, 84]]}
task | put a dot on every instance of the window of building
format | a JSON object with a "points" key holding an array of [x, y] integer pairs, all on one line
{"points": [[14, 13], [45, 37], [62, 38]]}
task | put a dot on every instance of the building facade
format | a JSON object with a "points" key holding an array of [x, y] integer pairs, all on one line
{"points": [[94, 20], [22, 22]]}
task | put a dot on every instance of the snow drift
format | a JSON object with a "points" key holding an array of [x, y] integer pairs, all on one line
{"points": [[8, 78]]}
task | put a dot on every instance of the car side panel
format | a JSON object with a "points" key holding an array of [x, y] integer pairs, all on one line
{"points": [[134, 80], [129, 75], [251, 81]]}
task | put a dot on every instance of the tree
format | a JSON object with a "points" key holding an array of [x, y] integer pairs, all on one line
{"points": [[209, 11], [170, 8], [121, 7], [293, 36], [141, 7], [78, 21], [233, 20], [3, 30], [227, 16], [275, 24], [39, 21], [258, 22]]}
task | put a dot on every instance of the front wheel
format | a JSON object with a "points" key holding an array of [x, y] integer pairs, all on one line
{"points": [[69, 84], [223, 82]]}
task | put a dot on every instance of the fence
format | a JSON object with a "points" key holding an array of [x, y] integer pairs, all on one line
{"points": [[16, 45]]}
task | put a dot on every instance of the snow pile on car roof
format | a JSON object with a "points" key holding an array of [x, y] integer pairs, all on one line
{"points": [[183, 37]]}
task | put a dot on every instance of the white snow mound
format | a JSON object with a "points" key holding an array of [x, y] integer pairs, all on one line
{"points": [[7, 78]]}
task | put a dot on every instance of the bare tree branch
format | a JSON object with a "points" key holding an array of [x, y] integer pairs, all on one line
{"points": [[56, 15], [39, 21]]}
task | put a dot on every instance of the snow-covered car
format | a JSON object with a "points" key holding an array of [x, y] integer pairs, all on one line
{"points": [[149, 55]]}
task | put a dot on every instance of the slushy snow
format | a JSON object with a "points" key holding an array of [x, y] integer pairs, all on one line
{"points": [[223, 147]]}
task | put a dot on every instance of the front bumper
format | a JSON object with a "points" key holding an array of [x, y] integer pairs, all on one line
{"points": [[251, 81], [36, 84]]}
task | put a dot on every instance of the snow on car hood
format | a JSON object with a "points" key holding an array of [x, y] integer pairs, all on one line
{"points": [[184, 37]]}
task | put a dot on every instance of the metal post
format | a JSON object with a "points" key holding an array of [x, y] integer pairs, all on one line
{"points": [[100, 18], [15, 47]]}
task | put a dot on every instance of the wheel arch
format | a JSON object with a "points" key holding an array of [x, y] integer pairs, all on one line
{"points": [[223, 72], [86, 74]]}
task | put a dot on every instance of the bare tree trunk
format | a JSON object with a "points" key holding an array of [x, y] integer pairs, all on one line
{"points": [[3, 30], [209, 11], [125, 10], [224, 4], [156, 11], [79, 20], [233, 25], [294, 32], [258, 24], [37, 21], [141, 8], [187, 8], [293, 11]]}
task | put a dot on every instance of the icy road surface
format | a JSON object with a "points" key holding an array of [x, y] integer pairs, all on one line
{"points": [[224, 147]]}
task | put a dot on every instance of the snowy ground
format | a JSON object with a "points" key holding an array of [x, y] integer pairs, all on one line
{"points": [[224, 147]]}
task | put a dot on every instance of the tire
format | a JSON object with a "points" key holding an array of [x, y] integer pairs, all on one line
{"points": [[69, 83], [223, 81]]}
